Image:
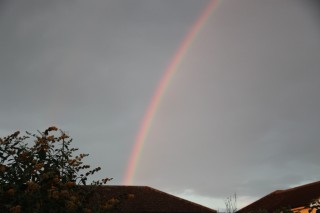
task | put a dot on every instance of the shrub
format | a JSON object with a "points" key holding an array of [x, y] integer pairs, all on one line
{"points": [[45, 176]]}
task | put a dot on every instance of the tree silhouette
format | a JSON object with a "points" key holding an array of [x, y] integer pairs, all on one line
{"points": [[46, 175]]}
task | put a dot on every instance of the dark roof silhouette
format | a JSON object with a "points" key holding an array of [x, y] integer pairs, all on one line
{"points": [[293, 198], [146, 199]]}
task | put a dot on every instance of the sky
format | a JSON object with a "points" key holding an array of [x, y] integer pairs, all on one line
{"points": [[240, 114]]}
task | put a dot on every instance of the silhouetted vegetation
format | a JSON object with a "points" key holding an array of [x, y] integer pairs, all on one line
{"points": [[44, 175], [231, 203]]}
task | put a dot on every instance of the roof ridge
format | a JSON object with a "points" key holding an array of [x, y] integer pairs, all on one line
{"points": [[278, 191], [302, 186], [182, 199], [262, 198], [280, 198], [185, 201]]}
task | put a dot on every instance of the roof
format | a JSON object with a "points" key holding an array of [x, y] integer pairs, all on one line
{"points": [[147, 199], [295, 197]]}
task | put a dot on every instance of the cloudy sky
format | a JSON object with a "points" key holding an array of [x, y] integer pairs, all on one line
{"points": [[241, 113]]}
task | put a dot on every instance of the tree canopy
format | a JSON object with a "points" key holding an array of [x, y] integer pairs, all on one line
{"points": [[45, 175]]}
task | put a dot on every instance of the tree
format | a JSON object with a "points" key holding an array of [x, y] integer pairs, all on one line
{"points": [[314, 204], [46, 176], [231, 203]]}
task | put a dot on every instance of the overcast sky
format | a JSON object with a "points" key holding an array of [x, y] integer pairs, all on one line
{"points": [[241, 114]]}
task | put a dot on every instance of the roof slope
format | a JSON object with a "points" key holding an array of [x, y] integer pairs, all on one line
{"points": [[147, 199], [293, 198]]}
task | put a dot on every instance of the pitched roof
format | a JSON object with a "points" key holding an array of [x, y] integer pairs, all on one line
{"points": [[147, 199], [293, 198]]}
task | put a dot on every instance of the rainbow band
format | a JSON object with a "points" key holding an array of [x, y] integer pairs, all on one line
{"points": [[160, 91]]}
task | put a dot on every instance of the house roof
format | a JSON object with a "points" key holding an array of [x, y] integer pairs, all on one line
{"points": [[293, 198], [147, 199]]}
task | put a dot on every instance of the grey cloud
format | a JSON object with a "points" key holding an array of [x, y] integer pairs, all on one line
{"points": [[243, 106], [248, 122]]}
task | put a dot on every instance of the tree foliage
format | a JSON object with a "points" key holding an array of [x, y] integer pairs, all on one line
{"points": [[46, 176], [315, 204]]}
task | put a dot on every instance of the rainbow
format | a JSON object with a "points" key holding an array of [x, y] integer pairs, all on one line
{"points": [[160, 90]]}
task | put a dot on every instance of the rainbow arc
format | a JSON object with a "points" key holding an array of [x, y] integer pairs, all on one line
{"points": [[161, 89]]}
